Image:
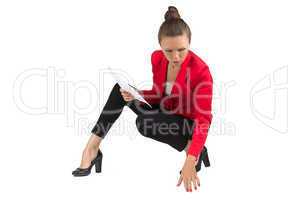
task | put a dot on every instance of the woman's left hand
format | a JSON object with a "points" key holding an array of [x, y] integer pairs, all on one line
{"points": [[189, 174], [126, 95]]}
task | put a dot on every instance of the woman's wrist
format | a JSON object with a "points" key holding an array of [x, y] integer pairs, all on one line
{"points": [[191, 159]]}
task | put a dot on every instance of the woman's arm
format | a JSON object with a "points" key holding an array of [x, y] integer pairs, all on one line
{"points": [[202, 100]]}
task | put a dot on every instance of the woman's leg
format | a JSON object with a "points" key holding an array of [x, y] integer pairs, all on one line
{"points": [[110, 113], [113, 109], [172, 129], [90, 151]]}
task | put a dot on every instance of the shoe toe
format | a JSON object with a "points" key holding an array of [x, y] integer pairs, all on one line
{"points": [[77, 171]]}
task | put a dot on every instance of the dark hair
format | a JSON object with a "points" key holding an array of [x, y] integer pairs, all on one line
{"points": [[173, 25]]}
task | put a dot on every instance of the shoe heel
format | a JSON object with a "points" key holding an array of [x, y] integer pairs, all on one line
{"points": [[98, 165], [206, 161]]}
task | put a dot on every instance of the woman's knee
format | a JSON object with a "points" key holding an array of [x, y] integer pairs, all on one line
{"points": [[115, 93], [116, 87]]}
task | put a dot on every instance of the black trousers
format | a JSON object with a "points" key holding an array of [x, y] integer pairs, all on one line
{"points": [[156, 123]]}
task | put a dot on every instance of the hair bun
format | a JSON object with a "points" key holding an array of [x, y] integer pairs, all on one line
{"points": [[172, 13]]}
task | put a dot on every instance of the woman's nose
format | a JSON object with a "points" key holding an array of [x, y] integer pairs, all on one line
{"points": [[175, 55]]}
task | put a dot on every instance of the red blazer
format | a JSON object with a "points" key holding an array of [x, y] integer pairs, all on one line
{"points": [[191, 94]]}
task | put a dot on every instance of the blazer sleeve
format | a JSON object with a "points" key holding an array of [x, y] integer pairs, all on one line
{"points": [[201, 100], [153, 96]]}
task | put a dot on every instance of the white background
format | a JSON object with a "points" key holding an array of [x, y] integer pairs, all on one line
{"points": [[250, 47]]}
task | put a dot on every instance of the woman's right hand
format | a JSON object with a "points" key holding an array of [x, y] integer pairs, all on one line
{"points": [[126, 95]]}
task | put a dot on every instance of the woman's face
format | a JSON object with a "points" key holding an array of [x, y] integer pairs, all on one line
{"points": [[175, 48]]}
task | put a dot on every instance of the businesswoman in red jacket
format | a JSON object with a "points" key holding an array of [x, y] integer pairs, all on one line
{"points": [[181, 98]]}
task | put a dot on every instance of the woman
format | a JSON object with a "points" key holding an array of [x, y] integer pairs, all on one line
{"points": [[180, 98]]}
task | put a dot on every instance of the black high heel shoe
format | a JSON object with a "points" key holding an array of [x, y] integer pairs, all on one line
{"points": [[86, 171], [203, 157]]}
